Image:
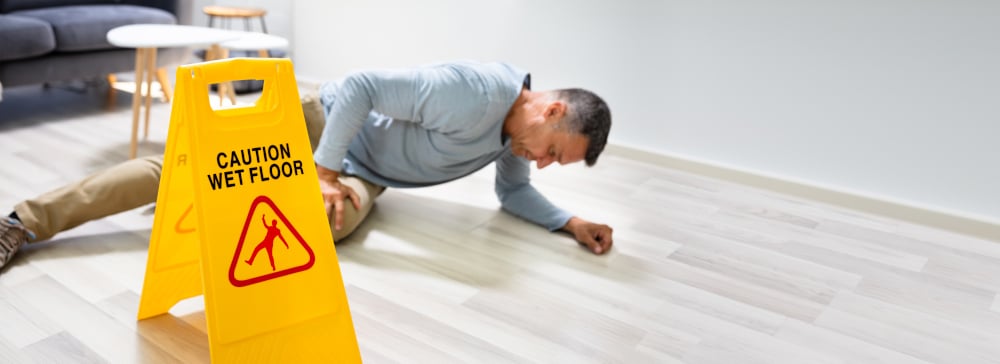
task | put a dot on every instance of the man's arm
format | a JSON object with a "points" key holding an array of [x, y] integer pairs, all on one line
{"points": [[518, 197], [424, 96], [360, 93], [420, 95]]}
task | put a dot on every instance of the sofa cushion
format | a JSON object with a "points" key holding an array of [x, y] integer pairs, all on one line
{"points": [[57, 67], [7, 6], [85, 27], [24, 37]]}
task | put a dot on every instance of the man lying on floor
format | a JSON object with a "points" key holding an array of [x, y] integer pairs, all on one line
{"points": [[388, 128]]}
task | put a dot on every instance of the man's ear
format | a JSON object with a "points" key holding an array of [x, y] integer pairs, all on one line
{"points": [[555, 110]]}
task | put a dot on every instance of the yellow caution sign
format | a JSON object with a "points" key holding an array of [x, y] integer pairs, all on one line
{"points": [[239, 217]]}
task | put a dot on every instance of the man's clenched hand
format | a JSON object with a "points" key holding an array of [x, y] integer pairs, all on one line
{"points": [[596, 237]]}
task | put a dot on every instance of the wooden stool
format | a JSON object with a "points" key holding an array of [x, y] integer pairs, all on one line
{"points": [[228, 13]]}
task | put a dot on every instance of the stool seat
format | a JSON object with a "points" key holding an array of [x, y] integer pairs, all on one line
{"points": [[233, 12], [228, 13]]}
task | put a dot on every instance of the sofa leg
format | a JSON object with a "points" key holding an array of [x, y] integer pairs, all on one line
{"points": [[112, 93]]}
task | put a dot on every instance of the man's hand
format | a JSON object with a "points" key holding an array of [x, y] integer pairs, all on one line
{"points": [[596, 237], [334, 194]]}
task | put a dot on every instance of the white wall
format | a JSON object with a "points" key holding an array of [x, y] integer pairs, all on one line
{"points": [[893, 98]]}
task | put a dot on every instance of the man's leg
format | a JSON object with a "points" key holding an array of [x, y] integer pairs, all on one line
{"points": [[353, 217], [312, 109], [120, 188]]}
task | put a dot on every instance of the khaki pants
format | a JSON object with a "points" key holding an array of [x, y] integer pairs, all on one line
{"points": [[135, 182]]}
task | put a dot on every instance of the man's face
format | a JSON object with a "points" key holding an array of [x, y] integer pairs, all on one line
{"points": [[546, 144]]}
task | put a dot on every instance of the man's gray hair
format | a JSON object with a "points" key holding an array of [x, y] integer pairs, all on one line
{"points": [[589, 116]]}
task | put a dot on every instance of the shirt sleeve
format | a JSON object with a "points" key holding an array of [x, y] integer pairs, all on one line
{"points": [[518, 197], [422, 95]]}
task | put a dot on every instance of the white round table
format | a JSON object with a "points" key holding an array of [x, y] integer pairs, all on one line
{"points": [[255, 41], [146, 38]]}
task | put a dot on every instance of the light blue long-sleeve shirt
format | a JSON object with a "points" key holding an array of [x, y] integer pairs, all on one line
{"points": [[430, 125]]}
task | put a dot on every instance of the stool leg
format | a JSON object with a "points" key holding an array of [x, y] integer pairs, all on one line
{"points": [[230, 90], [211, 54], [263, 27]]}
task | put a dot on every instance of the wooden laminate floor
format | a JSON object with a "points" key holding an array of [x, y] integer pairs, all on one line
{"points": [[702, 271]]}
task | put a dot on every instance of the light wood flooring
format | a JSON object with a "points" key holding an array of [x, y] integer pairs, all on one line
{"points": [[702, 271]]}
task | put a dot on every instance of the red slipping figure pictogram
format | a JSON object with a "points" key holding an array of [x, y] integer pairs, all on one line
{"points": [[268, 242]]}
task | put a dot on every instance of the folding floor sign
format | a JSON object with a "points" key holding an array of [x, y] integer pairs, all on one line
{"points": [[240, 218]]}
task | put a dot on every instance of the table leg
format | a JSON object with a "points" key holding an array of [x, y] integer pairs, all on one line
{"points": [[140, 61], [161, 77], [150, 69]]}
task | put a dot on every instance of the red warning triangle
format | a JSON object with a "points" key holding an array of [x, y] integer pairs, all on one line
{"points": [[273, 251]]}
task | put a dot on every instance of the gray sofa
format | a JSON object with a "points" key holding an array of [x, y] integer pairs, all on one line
{"points": [[60, 40]]}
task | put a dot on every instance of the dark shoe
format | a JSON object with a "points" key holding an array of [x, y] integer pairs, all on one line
{"points": [[12, 236]]}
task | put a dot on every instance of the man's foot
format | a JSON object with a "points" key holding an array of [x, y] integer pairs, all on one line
{"points": [[12, 236]]}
